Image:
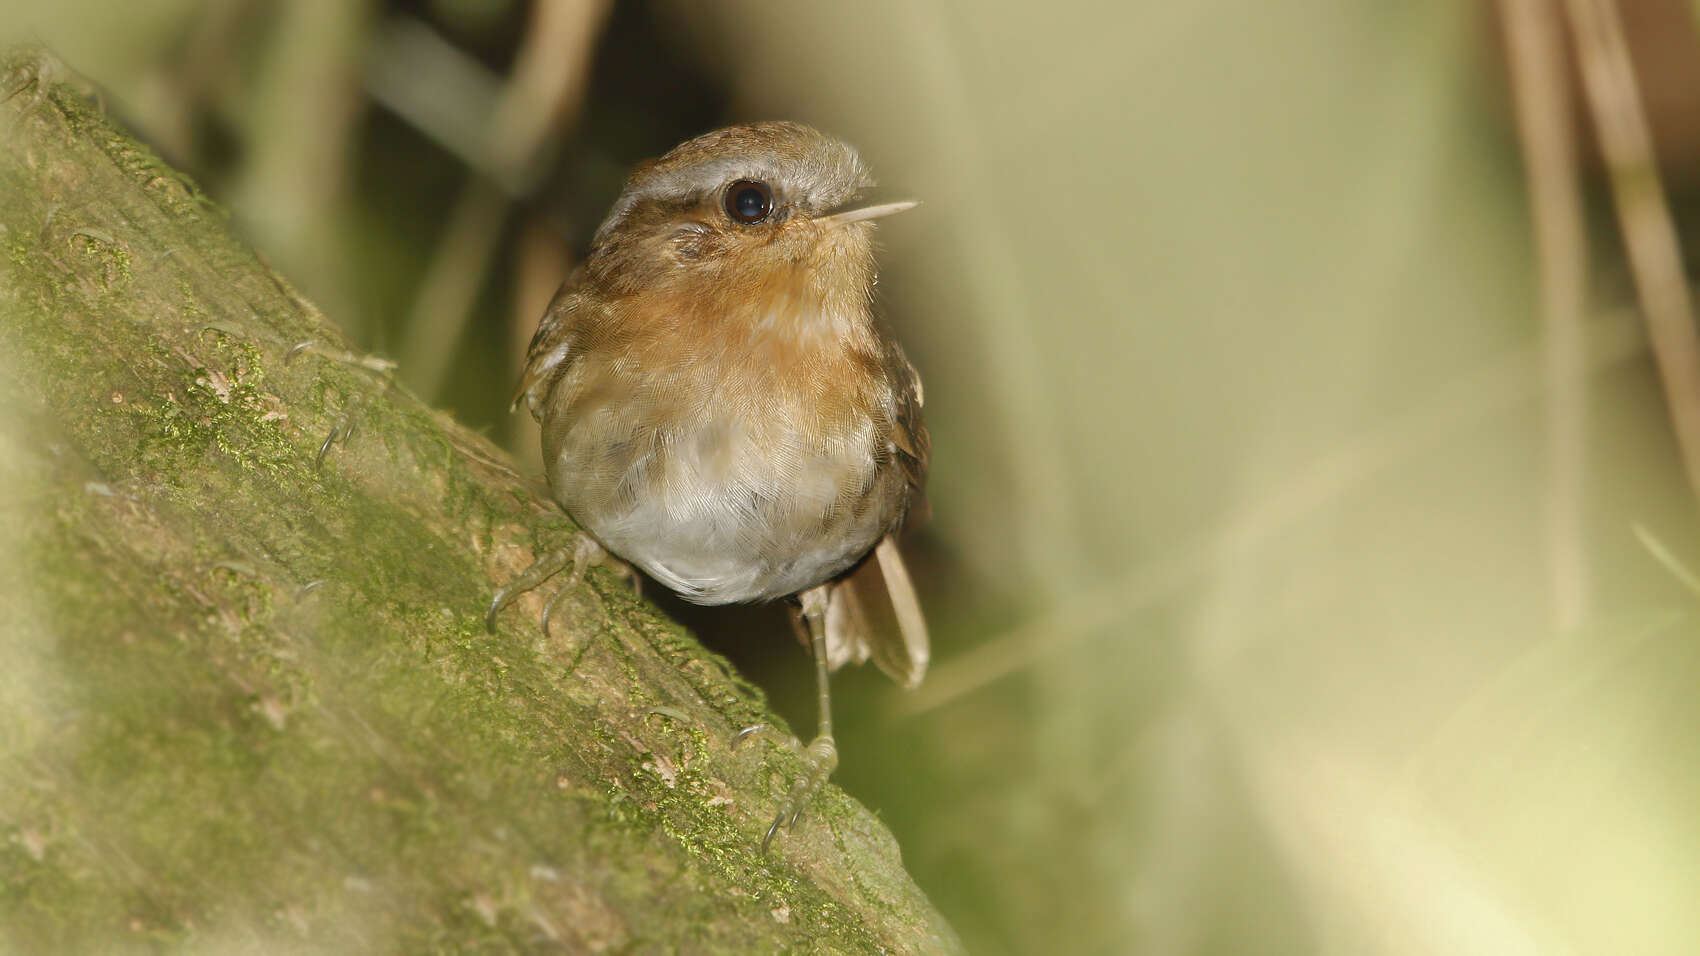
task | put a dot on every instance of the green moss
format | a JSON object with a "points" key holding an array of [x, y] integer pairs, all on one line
{"points": [[209, 411], [85, 120], [106, 260]]}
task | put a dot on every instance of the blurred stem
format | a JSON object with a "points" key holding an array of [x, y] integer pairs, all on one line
{"points": [[1668, 559], [540, 100], [1535, 50], [1043, 526], [1501, 386], [169, 100], [450, 286], [1643, 214], [547, 90], [1045, 522], [296, 144]]}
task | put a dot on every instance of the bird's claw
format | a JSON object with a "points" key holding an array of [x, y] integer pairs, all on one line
{"points": [[340, 433], [820, 759], [583, 554], [754, 729]]}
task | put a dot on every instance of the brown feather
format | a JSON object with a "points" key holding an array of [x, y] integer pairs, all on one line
{"points": [[873, 613]]}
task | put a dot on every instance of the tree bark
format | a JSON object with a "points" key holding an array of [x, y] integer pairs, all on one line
{"points": [[247, 700]]}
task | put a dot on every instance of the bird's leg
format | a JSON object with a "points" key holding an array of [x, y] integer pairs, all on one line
{"points": [[343, 428], [820, 757], [584, 553]]}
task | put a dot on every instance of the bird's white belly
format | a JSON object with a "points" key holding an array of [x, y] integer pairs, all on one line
{"points": [[730, 510]]}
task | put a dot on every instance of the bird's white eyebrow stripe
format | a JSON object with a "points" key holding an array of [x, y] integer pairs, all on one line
{"points": [[707, 178]]}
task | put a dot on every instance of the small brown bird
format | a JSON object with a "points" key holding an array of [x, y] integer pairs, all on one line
{"points": [[722, 407]]}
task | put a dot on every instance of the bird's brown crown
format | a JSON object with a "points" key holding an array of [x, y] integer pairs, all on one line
{"points": [[810, 173]]}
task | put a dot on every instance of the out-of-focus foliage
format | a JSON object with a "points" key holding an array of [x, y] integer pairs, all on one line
{"points": [[1227, 316]]}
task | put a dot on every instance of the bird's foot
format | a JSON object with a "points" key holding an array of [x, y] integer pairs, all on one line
{"points": [[583, 554], [341, 431], [343, 428], [820, 759]]}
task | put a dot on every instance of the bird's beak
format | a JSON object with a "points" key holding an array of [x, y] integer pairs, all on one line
{"points": [[865, 213]]}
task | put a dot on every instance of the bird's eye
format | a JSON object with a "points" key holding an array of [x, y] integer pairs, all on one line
{"points": [[749, 201]]}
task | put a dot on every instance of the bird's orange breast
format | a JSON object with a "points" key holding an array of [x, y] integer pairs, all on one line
{"points": [[729, 438]]}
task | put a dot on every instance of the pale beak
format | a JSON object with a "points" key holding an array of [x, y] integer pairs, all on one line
{"points": [[865, 213]]}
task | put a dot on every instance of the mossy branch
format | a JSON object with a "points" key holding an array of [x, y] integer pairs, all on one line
{"points": [[246, 696]]}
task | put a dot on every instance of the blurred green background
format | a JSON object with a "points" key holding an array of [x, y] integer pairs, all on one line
{"points": [[1262, 621]]}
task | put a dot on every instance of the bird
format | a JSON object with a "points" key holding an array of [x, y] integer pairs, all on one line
{"points": [[724, 407]]}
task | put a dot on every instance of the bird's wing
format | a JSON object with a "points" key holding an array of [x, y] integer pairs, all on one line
{"points": [[909, 438], [873, 612], [551, 346]]}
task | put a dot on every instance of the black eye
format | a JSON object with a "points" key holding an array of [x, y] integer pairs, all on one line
{"points": [[749, 201]]}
